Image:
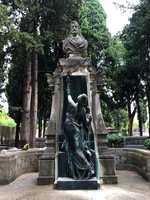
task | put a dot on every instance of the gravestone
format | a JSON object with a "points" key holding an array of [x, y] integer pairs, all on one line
{"points": [[76, 126]]}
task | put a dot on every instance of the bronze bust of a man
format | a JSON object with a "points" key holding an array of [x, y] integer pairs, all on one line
{"points": [[75, 44]]}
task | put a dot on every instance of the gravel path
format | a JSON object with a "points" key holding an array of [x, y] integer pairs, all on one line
{"points": [[130, 187]]}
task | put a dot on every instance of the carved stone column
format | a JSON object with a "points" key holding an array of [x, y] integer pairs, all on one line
{"points": [[98, 121], [47, 160]]}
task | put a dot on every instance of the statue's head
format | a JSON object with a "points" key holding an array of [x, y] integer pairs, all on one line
{"points": [[75, 28], [75, 45], [82, 100]]}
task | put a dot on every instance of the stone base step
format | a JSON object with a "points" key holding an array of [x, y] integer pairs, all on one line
{"points": [[63, 183]]}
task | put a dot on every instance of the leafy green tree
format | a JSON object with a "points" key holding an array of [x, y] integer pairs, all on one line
{"points": [[136, 39], [113, 92], [93, 26], [39, 26], [4, 23], [14, 87]]}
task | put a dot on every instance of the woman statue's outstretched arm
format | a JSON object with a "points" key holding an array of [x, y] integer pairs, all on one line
{"points": [[70, 100]]}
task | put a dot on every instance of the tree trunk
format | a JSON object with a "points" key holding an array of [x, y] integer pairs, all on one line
{"points": [[17, 135], [44, 126], [18, 121], [148, 100], [139, 115], [25, 125], [149, 115], [130, 118], [40, 127], [34, 99], [118, 122]]}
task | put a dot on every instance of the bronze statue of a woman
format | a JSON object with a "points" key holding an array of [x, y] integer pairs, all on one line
{"points": [[77, 130]]}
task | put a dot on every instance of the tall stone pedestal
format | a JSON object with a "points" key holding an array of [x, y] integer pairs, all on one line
{"points": [[107, 168], [46, 170], [49, 163]]}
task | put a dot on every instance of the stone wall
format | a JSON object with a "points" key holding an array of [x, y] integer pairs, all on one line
{"points": [[39, 142], [14, 163], [132, 159], [7, 135], [134, 142]]}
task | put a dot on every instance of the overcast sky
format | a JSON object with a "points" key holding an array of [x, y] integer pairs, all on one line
{"points": [[116, 19]]}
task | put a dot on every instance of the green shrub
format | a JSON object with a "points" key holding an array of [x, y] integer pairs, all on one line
{"points": [[147, 144], [124, 132], [115, 140], [5, 120]]}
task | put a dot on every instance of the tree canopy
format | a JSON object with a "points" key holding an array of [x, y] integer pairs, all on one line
{"points": [[31, 34], [93, 26]]}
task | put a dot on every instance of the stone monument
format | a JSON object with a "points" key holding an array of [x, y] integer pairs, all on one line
{"points": [[76, 128]]}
